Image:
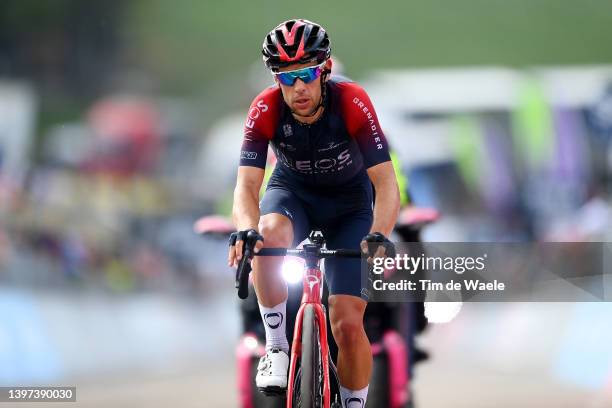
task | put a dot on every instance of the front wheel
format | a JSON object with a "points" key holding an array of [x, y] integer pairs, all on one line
{"points": [[311, 367]]}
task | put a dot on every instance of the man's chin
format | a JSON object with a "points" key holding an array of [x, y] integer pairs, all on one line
{"points": [[303, 108], [302, 111]]}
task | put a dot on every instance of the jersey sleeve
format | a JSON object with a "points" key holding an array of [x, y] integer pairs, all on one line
{"points": [[259, 128], [362, 124]]}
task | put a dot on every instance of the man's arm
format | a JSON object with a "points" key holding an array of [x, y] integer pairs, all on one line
{"points": [[258, 131], [245, 211], [387, 201]]}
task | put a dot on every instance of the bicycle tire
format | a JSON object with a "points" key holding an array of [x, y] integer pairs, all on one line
{"points": [[311, 384]]}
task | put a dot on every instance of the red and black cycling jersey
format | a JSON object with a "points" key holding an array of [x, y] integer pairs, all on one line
{"points": [[338, 147]]}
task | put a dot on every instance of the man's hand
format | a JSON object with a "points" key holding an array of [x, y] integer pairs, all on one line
{"points": [[376, 245], [237, 242]]}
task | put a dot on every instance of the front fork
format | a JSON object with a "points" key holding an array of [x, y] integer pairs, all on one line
{"points": [[296, 351]]}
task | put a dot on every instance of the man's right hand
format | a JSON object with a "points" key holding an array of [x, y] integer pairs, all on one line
{"points": [[237, 242]]}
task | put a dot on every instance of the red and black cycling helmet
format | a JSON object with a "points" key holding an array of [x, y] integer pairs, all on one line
{"points": [[295, 41]]}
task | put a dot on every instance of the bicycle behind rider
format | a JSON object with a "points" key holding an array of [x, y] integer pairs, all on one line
{"points": [[330, 150]]}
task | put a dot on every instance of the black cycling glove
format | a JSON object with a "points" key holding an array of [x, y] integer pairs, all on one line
{"points": [[375, 240], [250, 238]]}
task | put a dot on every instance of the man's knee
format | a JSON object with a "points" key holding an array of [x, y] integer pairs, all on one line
{"points": [[277, 230], [346, 315]]}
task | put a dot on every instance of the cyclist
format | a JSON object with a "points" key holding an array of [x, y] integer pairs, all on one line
{"points": [[330, 151]]}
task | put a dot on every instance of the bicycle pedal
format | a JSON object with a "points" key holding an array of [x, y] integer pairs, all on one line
{"points": [[273, 391]]}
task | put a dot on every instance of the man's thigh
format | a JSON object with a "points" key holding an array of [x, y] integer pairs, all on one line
{"points": [[283, 201], [343, 275]]}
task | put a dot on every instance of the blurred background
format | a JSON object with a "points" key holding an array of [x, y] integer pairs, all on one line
{"points": [[120, 125]]}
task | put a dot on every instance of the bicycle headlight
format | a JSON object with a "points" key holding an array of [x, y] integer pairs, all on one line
{"points": [[292, 270]]}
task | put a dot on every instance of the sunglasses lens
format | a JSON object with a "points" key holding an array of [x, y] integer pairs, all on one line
{"points": [[286, 79], [311, 74], [307, 75]]}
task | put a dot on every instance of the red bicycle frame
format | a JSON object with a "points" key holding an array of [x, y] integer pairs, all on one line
{"points": [[312, 286]]}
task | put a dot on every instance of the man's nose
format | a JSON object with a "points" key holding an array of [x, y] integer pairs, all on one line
{"points": [[299, 85]]}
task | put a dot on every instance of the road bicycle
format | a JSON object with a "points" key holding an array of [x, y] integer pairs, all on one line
{"points": [[310, 364], [391, 327]]}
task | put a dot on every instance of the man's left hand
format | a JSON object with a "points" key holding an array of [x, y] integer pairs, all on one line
{"points": [[376, 245]]}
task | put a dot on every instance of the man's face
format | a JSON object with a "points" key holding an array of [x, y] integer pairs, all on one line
{"points": [[302, 98]]}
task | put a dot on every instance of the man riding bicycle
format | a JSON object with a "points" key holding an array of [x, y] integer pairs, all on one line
{"points": [[331, 151]]}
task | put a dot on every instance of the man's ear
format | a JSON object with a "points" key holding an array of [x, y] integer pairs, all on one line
{"points": [[327, 69]]}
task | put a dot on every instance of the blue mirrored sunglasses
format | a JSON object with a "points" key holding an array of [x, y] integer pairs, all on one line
{"points": [[307, 75]]}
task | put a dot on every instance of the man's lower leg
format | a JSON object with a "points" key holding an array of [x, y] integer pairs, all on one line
{"points": [[271, 292], [354, 350], [354, 370]]}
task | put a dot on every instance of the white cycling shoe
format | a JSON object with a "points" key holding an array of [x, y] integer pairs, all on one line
{"points": [[272, 372]]}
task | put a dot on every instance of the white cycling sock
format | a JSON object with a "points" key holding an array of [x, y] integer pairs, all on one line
{"points": [[354, 398], [274, 323]]}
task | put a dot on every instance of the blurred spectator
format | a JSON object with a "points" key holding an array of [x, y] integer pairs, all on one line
{"points": [[126, 136]]}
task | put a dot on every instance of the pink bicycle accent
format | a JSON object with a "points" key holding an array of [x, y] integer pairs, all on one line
{"points": [[418, 215], [213, 224], [398, 369], [247, 347]]}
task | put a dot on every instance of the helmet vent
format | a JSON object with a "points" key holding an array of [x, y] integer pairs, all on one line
{"points": [[295, 41]]}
